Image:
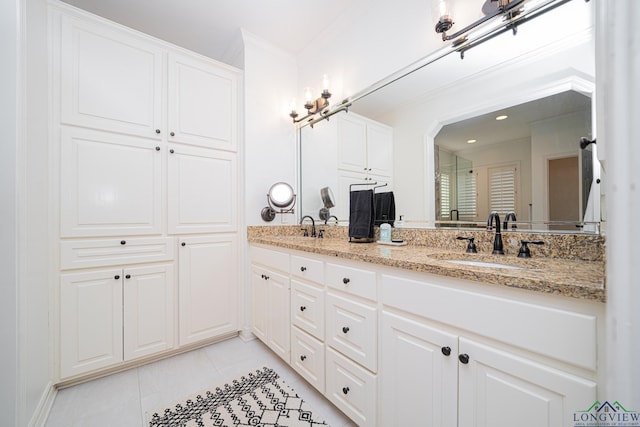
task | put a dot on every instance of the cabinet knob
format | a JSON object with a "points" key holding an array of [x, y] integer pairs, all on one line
{"points": [[463, 358], [123, 242], [171, 151], [345, 390], [446, 351], [266, 277], [303, 357], [157, 148], [303, 269], [172, 134], [345, 329], [262, 275], [157, 130], [303, 308], [183, 244], [117, 277], [128, 276], [345, 280]]}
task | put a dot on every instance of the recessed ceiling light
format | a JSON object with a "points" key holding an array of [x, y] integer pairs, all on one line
{"points": [[501, 117], [471, 141]]}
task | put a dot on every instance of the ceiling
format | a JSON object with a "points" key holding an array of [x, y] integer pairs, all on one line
{"points": [[487, 130], [210, 27]]}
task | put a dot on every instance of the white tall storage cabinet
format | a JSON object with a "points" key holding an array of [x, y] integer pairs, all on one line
{"points": [[145, 139]]}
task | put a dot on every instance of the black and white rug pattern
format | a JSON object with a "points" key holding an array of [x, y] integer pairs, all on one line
{"points": [[259, 398]]}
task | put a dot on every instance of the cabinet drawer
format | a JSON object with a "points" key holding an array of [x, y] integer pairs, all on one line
{"points": [[307, 268], [351, 388], [352, 280], [116, 251], [269, 258], [352, 328], [307, 308], [307, 357]]}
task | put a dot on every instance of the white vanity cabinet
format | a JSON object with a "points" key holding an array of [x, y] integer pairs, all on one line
{"points": [[114, 315], [270, 299], [482, 359]]}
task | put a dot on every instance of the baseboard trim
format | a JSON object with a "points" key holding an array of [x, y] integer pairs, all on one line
{"points": [[45, 404], [246, 335]]}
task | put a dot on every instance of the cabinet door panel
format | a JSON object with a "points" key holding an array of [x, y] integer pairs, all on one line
{"points": [[307, 358], [379, 149], [110, 185], [278, 319], [259, 294], [110, 79], [90, 321], [148, 310], [202, 103], [352, 144], [202, 191], [499, 389], [307, 308], [208, 287], [419, 385]]}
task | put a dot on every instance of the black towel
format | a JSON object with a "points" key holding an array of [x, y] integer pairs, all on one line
{"points": [[361, 214], [385, 208]]}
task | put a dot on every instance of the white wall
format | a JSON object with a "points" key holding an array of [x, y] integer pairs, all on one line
{"points": [[270, 80]]}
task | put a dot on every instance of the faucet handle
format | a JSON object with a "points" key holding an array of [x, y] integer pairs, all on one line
{"points": [[305, 232], [320, 233], [524, 251], [471, 247]]}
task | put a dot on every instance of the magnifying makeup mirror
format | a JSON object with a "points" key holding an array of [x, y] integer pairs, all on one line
{"points": [[281, 199], [328, 201]]}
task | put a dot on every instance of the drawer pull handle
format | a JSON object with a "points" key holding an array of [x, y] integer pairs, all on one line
{"points": [[303, 357], [117, 277], [128, 276], [345, 390], [303, 308], [345, 329], [183, 244], [157, 148], [464, 358], [123, 242], [172, 134], [345, 280], [157, 130], [303, 269], [446, 351]]}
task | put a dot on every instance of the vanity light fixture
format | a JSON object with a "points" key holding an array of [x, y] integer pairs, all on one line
{"points": [[508, 9], [313, 106]]}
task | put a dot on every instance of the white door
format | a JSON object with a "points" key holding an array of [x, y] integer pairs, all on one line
{"points": [[90, 321], [148, 310], [259, 295], [203, 107], [278, 315], [379, 149], [208, 287], [109, 79], [419, 385], [500, 389], [202, 190], [111, 185], [352, 144]]}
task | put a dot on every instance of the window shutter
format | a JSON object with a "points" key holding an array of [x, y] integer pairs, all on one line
{"points": [[445, 196], [503, 189], [467, 196]]}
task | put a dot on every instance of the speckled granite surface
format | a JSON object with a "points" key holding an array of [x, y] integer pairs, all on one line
{"points": [[558, 267]]}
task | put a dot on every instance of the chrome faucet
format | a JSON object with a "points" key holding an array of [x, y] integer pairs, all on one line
{"points": [[497, 241], [313, 225], [511, 215]]}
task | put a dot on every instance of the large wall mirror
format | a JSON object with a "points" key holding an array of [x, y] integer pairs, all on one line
{"points": [[531, 163]]}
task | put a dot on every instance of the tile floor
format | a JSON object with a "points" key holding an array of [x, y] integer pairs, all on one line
{"points": [[121, 400]]}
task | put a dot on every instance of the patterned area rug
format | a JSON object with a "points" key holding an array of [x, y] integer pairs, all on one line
{"points": [[259, 398]]}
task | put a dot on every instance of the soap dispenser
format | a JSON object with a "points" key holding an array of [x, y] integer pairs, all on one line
{"points": [[385, 232]]}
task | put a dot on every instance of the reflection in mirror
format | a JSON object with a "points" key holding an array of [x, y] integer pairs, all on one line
{"points": [[529, 163]]}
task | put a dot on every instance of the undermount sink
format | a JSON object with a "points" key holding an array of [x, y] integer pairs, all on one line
{"points": [[481, 264]]}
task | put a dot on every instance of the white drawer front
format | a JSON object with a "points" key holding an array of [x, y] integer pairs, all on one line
{"points": [[351, 388], [562, 334], [307, 268], [352, 280], [307, 358], [114, 251], [307, 308], [273, 259], [352, 328]]}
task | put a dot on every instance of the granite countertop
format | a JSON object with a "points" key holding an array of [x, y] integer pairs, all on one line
{"points": [[572, 278]]}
